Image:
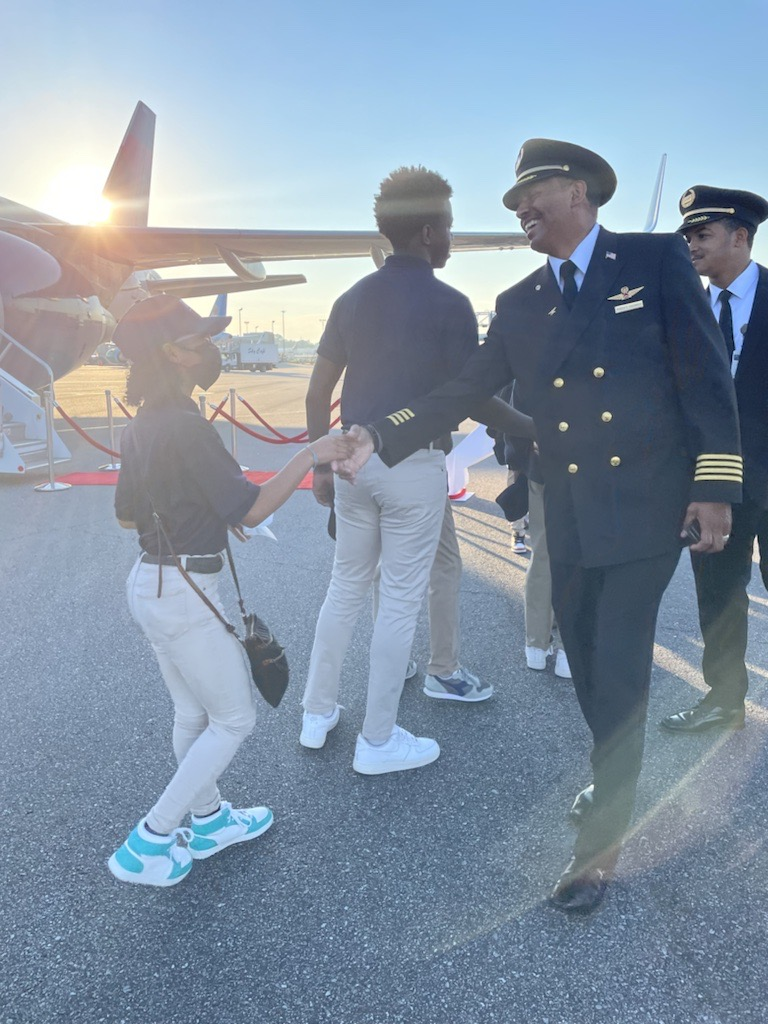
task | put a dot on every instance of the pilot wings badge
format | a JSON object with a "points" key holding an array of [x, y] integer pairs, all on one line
{"points": [[625, 293]]}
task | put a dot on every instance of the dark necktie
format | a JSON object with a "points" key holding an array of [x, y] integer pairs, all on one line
{"points": [[570, 291], [726, 320]]}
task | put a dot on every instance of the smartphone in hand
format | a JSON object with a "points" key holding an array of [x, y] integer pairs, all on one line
{"points": [[691, 534]]}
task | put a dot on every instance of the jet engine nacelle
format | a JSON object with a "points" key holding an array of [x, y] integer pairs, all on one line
{"points": [[45, 311]]}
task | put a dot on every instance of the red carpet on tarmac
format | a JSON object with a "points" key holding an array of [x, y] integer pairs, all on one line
{"points": [[108, 478]]}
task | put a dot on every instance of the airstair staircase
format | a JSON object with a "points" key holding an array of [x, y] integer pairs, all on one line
{"points": [[23, 444], [27, 438]]}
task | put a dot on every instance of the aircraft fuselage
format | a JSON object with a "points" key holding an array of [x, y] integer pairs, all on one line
{"points": [[49, 307]]}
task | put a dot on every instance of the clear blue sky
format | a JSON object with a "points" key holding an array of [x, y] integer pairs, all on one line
{"points": [[288, 114]]}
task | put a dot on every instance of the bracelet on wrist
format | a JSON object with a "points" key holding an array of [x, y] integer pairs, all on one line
{"points": [[311, 451]]}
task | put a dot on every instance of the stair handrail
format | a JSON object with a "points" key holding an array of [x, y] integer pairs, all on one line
{"points": [[49, 398]]}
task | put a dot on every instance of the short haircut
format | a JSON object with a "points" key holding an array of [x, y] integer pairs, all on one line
{"points": [[592, 194], [408, 199], [733, 224]]}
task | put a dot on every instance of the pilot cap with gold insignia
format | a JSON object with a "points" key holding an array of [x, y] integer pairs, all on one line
{"points": [[547, 158], [704, 203]]}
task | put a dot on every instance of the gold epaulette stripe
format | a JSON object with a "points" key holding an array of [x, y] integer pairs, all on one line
{"points": [[717, 464], [719, 455], [401, 417], [735, 478]]}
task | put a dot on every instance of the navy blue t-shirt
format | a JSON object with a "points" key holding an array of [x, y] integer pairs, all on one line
{"points": [[400, 332], [174, 454]]}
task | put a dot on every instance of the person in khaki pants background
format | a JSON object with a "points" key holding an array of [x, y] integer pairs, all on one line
{"points": [[542, 637]]}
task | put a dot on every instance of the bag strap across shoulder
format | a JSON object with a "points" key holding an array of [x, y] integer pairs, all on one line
{"points": [[161, 528]]}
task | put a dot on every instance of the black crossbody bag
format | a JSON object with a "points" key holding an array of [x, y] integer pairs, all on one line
{"points": [[269, 665]]}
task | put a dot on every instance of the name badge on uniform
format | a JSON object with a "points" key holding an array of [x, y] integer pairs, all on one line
{"points": [[628, 306]]}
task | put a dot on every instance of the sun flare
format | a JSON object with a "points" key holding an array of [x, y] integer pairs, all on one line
{"points": [[74, 195]]}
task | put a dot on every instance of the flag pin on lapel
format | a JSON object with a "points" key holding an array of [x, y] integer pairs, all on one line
{"points": [[552, 311], [610, 255]]}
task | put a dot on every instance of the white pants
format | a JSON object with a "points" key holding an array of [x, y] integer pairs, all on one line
{"points": [[443, 599], [444, 588], [538, 578], [208, 678], [394, 515]]}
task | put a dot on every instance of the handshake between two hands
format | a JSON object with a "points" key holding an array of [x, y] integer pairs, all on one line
{"points": [[345, 455]]}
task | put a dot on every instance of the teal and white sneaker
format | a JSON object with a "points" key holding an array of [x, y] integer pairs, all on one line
{"points": [[229, 825], [147, 859]]}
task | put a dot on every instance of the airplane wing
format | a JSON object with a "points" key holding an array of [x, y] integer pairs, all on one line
{"points": [[159, 248], [195, 287]]}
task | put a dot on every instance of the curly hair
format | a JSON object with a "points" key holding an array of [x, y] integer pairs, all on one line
{"points": [[408, 199]]}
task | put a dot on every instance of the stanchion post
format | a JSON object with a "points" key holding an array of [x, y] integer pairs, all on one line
{"points": [[110, 466], [233, 414], [52, 485]]}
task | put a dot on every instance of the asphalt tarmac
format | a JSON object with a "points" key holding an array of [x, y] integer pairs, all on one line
{"points": [[413, 898]]}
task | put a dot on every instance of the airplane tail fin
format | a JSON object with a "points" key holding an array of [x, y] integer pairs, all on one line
{"points": [[219, 307], [653, 209], [127, 187]]}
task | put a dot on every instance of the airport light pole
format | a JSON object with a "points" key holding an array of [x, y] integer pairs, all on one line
{"points": [[240, 321], [246, 326], [282, 312]]}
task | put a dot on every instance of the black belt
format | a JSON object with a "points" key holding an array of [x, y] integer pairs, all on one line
{"points": [[192, 563]]}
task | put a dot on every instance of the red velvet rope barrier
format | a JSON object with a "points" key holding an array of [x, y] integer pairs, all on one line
{"points": [[121, 407], [252, 433], [283, 437], [82, 433], [218, 409], [298, 438]]}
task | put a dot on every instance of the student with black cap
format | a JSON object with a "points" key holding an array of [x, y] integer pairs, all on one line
{"points": [[616, 355], [719, 226], [175, 465]]}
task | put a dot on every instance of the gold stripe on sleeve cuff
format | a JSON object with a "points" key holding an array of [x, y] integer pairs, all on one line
{"points": [[398, 418], [719, 466]]}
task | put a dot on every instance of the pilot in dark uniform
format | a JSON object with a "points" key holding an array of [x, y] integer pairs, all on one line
{"points": [[614, 347], [719, 226]]}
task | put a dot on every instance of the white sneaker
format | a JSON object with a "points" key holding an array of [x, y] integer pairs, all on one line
{"points": [[401, 751], [315, 728], [537, 658], [229, 825], [518, 544], [412, 671], [147, 859], [562, 668]]}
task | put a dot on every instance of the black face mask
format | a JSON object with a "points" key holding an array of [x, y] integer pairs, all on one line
{"points": [[208, 370]]}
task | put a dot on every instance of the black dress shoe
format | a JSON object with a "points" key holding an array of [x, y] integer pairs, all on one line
{"points": [[702, 717], [579, 890], [582, 805]]}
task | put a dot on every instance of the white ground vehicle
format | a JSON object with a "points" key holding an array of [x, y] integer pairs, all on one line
{"points": [[257, 352]]}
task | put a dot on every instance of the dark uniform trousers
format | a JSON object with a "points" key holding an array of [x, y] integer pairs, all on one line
{"points": [[635, 417], [607, 619], [721, 588], [722, 579]]}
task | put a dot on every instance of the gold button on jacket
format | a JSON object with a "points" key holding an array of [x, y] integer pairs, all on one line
{"points": [[598, 372], [615, 461], [562, 426], [606, 417], [558, 382], [573, 468]]}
